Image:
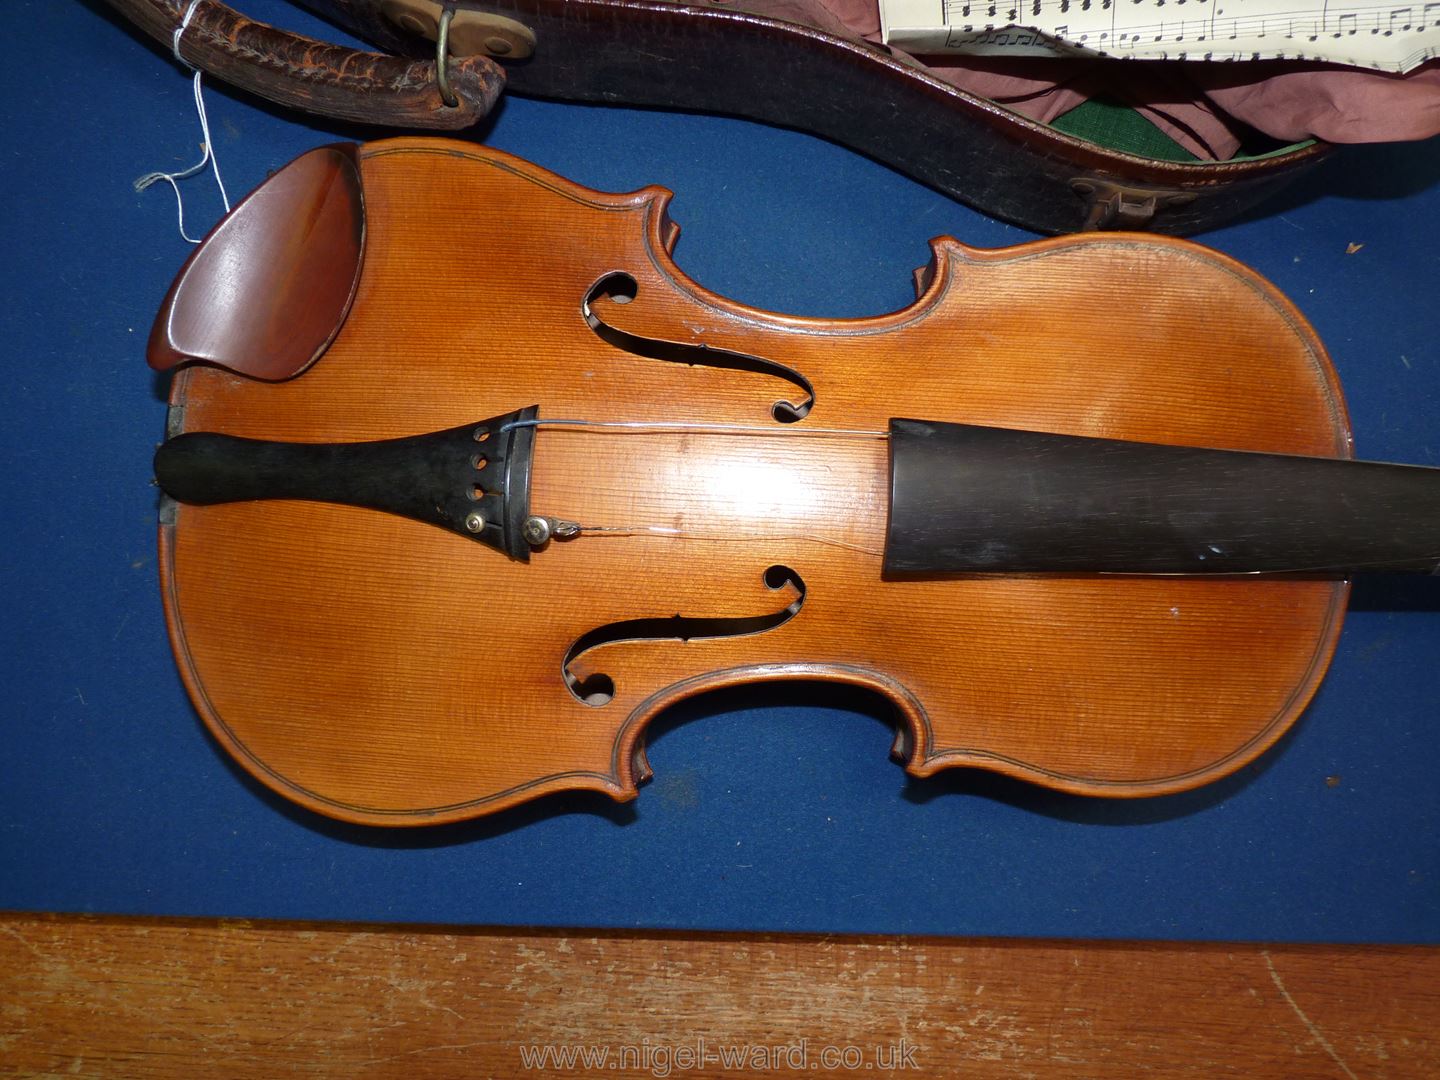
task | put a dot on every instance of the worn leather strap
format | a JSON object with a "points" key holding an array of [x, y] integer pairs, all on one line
{"points": [[331, 80]]}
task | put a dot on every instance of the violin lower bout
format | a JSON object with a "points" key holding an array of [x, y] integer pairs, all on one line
{"points": [[474, 708]]}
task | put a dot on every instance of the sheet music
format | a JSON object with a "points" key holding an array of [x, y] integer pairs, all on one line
{"points": [[1387, 36]]}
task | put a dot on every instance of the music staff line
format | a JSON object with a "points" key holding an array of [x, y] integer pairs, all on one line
{"points": [[1025, 41], [1299, 25]]}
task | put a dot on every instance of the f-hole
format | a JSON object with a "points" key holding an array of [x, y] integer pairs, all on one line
{"points": [[598, 688], [621, 288]]}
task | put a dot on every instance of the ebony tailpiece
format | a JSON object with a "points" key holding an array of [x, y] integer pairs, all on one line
{"points": [[472, 480]]}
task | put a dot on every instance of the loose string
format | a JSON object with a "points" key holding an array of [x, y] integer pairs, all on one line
{"points": [[734, 538], [830, 541], [209, 157], [685, 427]]}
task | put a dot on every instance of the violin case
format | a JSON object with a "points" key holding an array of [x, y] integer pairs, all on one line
{"points": [[1100, 166]]}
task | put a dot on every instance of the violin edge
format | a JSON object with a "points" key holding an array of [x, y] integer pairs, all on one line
{"points": [[914, 745], [931, 282], [629, 767], [620, 788]]}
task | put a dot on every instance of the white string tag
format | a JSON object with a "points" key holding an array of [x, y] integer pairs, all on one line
{"points": [[208, 158]]}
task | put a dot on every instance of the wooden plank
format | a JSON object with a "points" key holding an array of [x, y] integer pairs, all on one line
{"points": [[133, 997]]}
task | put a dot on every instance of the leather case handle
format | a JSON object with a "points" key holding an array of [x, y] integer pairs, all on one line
{"points": [[330, 80]]}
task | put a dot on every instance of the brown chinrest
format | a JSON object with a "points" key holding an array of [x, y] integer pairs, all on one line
{"points": [[268, 289]]}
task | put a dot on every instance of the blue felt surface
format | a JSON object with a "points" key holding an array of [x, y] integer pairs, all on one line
{"points": [[777, 811]]}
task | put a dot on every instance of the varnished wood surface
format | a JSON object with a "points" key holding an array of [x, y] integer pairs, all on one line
{"points": [[384, 671], [150, 998]]}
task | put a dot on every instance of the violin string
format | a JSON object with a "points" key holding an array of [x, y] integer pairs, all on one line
{"points": [[682, 534], [829, 541], [684, 427], [209, 157]]}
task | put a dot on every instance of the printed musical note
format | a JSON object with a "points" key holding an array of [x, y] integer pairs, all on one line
{"points": [[1368, 33]]}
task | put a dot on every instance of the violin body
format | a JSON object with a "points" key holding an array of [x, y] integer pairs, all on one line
{"points": [[377, 669]]}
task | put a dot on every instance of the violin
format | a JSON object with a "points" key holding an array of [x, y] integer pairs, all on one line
{"points": [[465, 482]]}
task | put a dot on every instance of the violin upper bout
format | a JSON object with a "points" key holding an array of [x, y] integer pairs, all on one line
{"points": [[269, 288]]}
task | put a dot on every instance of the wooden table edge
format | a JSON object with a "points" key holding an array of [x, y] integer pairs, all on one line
{"points": [[141, 996]]}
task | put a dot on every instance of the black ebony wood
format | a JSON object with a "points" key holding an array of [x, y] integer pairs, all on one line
{"points": [[978, 499]]}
